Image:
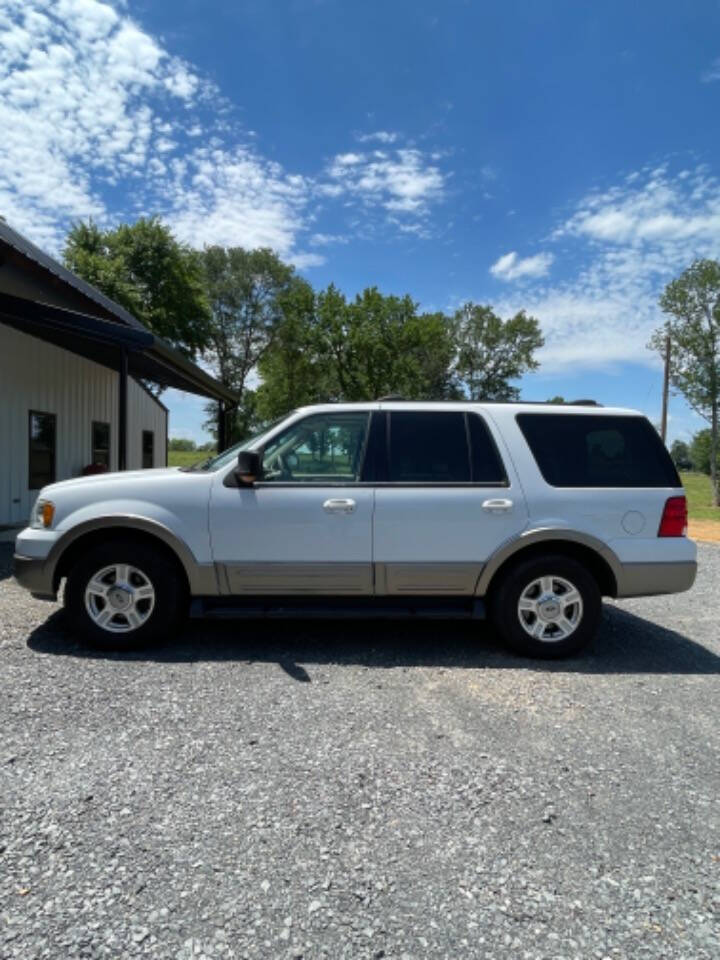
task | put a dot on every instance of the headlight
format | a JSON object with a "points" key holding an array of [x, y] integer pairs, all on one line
{"points": [[42, 514]]}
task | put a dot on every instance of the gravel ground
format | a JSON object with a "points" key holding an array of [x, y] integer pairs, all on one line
{"points": [[373, 791]]}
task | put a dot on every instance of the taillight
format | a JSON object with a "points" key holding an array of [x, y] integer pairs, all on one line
{"points": [[674, 518]]}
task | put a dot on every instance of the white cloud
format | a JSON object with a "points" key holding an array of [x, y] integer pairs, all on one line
{"points": [[379, 136], [75, 80], [235, 198], [327, 239], [303, 260], [90, 127], [347, 160], [713, 73], [628, 242], [182, 82], [401, 181], [663, 210], [512, 267]]}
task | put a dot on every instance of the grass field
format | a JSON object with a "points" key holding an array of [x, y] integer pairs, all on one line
{"points": [[186, 458], [698, 490]]}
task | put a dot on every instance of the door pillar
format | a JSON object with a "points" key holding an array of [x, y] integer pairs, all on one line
{"points": [[221, 427], [122, 410]]}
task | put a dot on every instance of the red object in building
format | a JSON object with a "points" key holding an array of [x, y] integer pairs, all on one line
{"points": [[93, 468]]}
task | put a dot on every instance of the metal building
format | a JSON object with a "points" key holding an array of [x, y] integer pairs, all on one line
{"points": [[71, 365]]}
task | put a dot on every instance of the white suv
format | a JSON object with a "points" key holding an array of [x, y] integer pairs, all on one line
{"points": [[527, 513]]}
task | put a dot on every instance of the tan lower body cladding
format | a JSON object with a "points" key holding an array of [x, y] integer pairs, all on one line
{"points": [[350, 579]]}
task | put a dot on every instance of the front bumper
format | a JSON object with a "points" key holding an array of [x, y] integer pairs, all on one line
{"points": [[30, 573]]}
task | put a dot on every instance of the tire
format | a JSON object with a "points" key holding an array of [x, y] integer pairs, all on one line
{"points": [[535, 609], [133, 588]]}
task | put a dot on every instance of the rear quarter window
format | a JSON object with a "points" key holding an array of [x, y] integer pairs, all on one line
{"points": [[573, 450]]}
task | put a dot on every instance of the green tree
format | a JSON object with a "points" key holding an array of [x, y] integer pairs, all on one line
{"points": [[292, 369], [329, 348], [377, 345], [245, 289], [680, 454], [700, 452], [332, 348], [181, 444], [491, 352], [692, 305], [146, 270]]}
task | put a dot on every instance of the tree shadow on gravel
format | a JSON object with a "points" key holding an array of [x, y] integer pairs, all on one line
{"points": [[625, 644]]}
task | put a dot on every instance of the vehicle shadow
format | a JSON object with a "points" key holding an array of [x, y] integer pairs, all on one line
{"points": [[625, 644], [6, 555]]}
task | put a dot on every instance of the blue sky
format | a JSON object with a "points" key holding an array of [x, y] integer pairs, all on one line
{"points": [[557, 156]]}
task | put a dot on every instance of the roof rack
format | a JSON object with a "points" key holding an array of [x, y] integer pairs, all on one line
{"points": [[538, 403]]}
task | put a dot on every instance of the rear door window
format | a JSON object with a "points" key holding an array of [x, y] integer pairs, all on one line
{"points": [[487, 467], [442, 447], [573, 450], [427, 447]]}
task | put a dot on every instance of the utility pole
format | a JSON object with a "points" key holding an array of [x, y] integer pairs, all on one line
{"points": [[666, 391]]}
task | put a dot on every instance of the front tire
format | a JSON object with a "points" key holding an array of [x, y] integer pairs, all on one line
{"points": [[123, 595], [547, 607]]}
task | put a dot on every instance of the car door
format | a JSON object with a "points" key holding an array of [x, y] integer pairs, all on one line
{"points": [[305, 527], [445, 504]]}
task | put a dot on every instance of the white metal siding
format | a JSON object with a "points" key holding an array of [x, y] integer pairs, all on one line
{"points": [[145, 414], [35, 375]]}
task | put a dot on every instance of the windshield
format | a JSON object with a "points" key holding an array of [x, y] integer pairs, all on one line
{"points": [[227, 456]]}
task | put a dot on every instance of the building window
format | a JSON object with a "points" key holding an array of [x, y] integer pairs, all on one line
{"points": [[148, 449], [101, 444], [41, 449]]}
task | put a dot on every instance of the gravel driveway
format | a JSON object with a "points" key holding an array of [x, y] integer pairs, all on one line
{"points": [[372, 791]]}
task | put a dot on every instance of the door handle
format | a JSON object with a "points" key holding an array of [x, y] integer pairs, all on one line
{"points": [[339, 505], [497, 506]]}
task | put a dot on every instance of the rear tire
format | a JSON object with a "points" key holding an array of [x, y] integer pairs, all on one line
{"points": [[547, 607], [123, 595]]}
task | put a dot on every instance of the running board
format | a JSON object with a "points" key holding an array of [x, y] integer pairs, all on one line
{"points": [[337, 608]]}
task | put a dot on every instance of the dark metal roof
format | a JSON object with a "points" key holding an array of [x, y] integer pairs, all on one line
{"points": [[149, 357], [97, 334], [23, 246]]}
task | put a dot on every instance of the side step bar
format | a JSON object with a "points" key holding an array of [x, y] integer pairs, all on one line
{"points": [[337, 608]]}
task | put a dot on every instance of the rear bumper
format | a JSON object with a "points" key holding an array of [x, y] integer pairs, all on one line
{"points": [[650, 579], [30, 573]]}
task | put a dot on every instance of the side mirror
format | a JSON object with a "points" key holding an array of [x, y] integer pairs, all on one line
{"points": [[248, 467]]}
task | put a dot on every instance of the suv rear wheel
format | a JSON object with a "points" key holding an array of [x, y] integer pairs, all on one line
{"points": [[122, 595], [547, 607]]}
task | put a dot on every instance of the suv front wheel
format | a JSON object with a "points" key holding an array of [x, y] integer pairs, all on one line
{"points": [[547, 606], [122, 595]]}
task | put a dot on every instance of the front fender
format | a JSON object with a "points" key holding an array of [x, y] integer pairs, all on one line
{"points": [[201, 576]]}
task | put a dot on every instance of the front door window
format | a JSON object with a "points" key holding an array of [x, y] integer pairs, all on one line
{"points": [[321, 449]]}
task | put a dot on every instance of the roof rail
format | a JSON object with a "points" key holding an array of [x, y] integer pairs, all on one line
{"points": [[584, 402]]}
